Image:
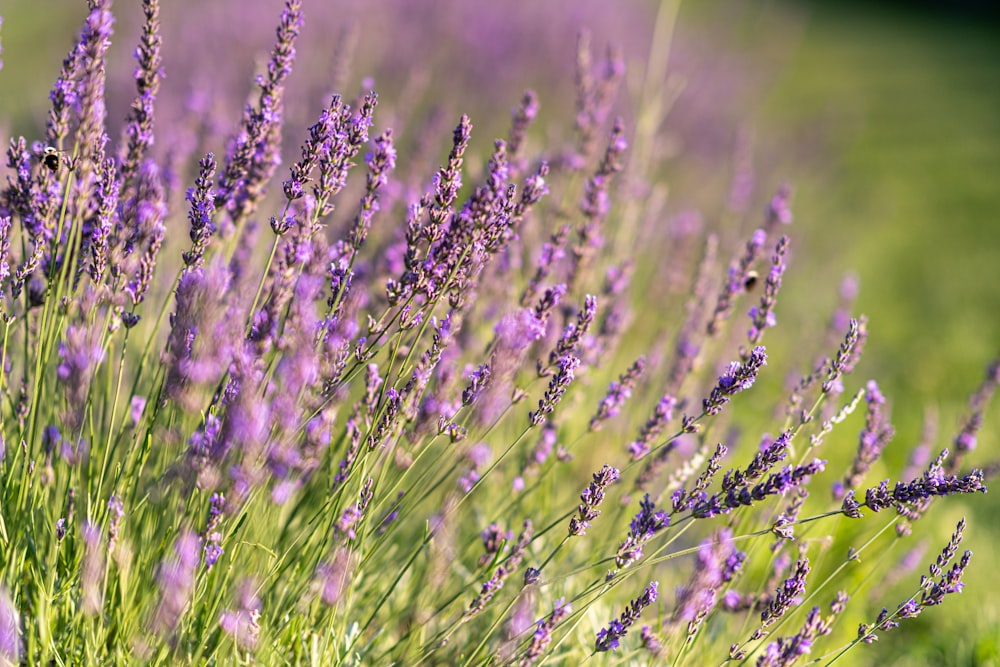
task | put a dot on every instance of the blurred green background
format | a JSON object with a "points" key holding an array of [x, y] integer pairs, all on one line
{"points": [[886, 119]]}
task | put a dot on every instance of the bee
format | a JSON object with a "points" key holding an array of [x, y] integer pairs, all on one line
{"points": [[750, 281], [51, 158]]}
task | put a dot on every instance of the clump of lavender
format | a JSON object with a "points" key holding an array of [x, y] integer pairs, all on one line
{"points": [[268, 376]]}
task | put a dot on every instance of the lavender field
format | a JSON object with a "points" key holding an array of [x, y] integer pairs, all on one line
{"points": [[485, 334]]}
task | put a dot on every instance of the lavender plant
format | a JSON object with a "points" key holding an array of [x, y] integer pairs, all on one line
{"points": [[360, 414]]}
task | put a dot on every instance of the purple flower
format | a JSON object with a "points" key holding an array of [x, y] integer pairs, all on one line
{"points": [[522, 116], [788, 594], [255, 150], [651, 641], [5, 257], [933, 588], [557, 388], [542, 636], [739, 377], [176, 581], [201, 212], [493, 539], [202, 337], [60, 528], [786, 650], [592, 497], [381, 160], [11, 643], [137, 405], [594, 96], [321, 134], [95, 38], [770, 453], [479, 380], [80, 354], [874, 437], [646, 523], [146, 212], [138, 133], [211, 537], [335, 575], [618, 393], [500, 573], [735, 285], [965, 440], [609, 638], [109, 185], [847, 356], [762, 315], [550, 255], [595, 203], [242, 623], [573, 335], [717, 563], [778, 209], [934, 483], [517, 331], [651, 430], [776, 484]]}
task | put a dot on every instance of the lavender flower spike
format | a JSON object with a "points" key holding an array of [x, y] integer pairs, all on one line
{"points": [[788, 594], [934, 483], [848, 354], [138, 133], [644, 526], [558, 385], [543, 632], [965, 441], [176, 580], [381, 160], [762, 315], [95, 40], [608, 638], [933, 588], [874, 437], [717, 563], [778, 210], [254, 153], [618, 393], [592, 497], [786, 650], [910, 499], [735, 285], [737, 378], [662, 414], [200, 214], [777, 484]]}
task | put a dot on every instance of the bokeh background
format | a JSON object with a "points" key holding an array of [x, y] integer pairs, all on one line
{"points": [[884, 116]]}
